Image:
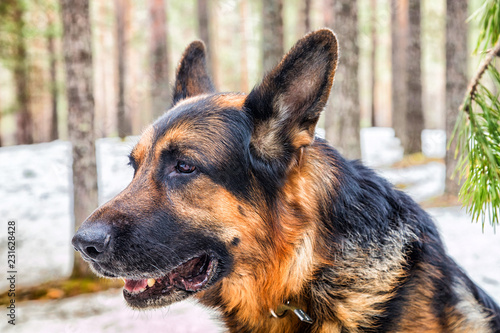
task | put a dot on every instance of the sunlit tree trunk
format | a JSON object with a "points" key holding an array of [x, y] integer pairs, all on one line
{"points": [[343, 115], [399, 37], [78, 57], [412, 141], [204, 22], [373, 60], [328, 18], [244, 45], [124, 119], [305, 16], [272, 33], [456, 79], [53, 132], [24, 134], [160, 90]]}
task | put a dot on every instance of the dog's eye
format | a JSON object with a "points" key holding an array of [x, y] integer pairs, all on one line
{"points": [[183, 167]]}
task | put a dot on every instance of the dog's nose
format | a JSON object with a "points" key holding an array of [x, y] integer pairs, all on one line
{"points": [[92, 240]]}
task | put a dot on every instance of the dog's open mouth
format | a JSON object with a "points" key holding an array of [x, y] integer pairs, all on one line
{"points": [[183, 280]]}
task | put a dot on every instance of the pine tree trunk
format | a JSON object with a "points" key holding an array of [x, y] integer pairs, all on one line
{"points": [[305, 14], [79, 85], [412, 141], [328, 18], [272, 33], [123, 117], [456, 79], [54, 133], [204, 19], [399, 37], [373, 63], [203, 22], [244, 46], [160, 89], [24, 134], [343, 115]]}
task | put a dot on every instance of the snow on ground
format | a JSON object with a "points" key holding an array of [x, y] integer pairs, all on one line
{"points": [[35, 190], [106, 312]]}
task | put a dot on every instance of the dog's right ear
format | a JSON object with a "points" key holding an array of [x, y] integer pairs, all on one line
{"points": [[192, 76]]}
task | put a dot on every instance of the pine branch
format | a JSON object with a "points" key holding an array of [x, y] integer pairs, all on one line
{"points": [[472, 87]]}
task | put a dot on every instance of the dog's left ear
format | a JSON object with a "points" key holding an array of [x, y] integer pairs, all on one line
{"points": [[192, 75], [286, 106]]}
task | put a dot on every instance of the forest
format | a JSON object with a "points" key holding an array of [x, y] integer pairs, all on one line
{"points": [[403, 64], [126, 34]]}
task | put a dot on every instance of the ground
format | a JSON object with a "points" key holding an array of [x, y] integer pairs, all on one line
{"points": [[35, 192]]}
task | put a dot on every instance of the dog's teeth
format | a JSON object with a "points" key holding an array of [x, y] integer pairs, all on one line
{"points": [[151, 282]]}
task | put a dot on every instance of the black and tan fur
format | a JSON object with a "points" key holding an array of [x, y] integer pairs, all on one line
{"points": [[281, 215]]}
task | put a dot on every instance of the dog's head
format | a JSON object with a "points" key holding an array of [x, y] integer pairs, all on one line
{"points": [[208, 177]]}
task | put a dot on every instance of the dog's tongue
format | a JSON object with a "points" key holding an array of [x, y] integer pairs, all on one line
{"points": [[133, 286]]}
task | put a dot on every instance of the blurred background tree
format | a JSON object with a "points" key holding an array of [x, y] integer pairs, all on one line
{"points": [[413, 112], [160, 89], [272, 33], [402, 64], [77, 52], [399, 42], [342, 119], [122, 16], [456, 80], [14, 48]]}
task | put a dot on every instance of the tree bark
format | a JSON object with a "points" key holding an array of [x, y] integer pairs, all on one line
{"points": [[244, 86], [343, 116], [412, 141], [203, 22], [124, 119], [328, 18], [373, 62], [456, 80], [24, 133], [54, 133], [399, 37], [204, 19], [160, 90], [79, 85], [306, 16], [272, 33]]}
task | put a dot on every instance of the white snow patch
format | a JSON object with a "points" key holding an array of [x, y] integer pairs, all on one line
{"points": [[421, 182], [106, 312], [379, 147], [434, 143], [36, 192], [475, 250]]}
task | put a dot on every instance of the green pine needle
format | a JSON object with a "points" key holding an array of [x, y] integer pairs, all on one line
{"points": [[478, 138], [478, 128], [489, 21]]}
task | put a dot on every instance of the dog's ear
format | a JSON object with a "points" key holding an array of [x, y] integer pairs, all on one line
{"points": [[286, 105], [192, 76]]}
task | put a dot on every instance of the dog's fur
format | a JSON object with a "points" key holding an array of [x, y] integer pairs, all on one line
{"points": [[282, 215]]}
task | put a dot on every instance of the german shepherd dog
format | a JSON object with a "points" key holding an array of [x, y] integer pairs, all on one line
{"points": [[235, 203]]}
